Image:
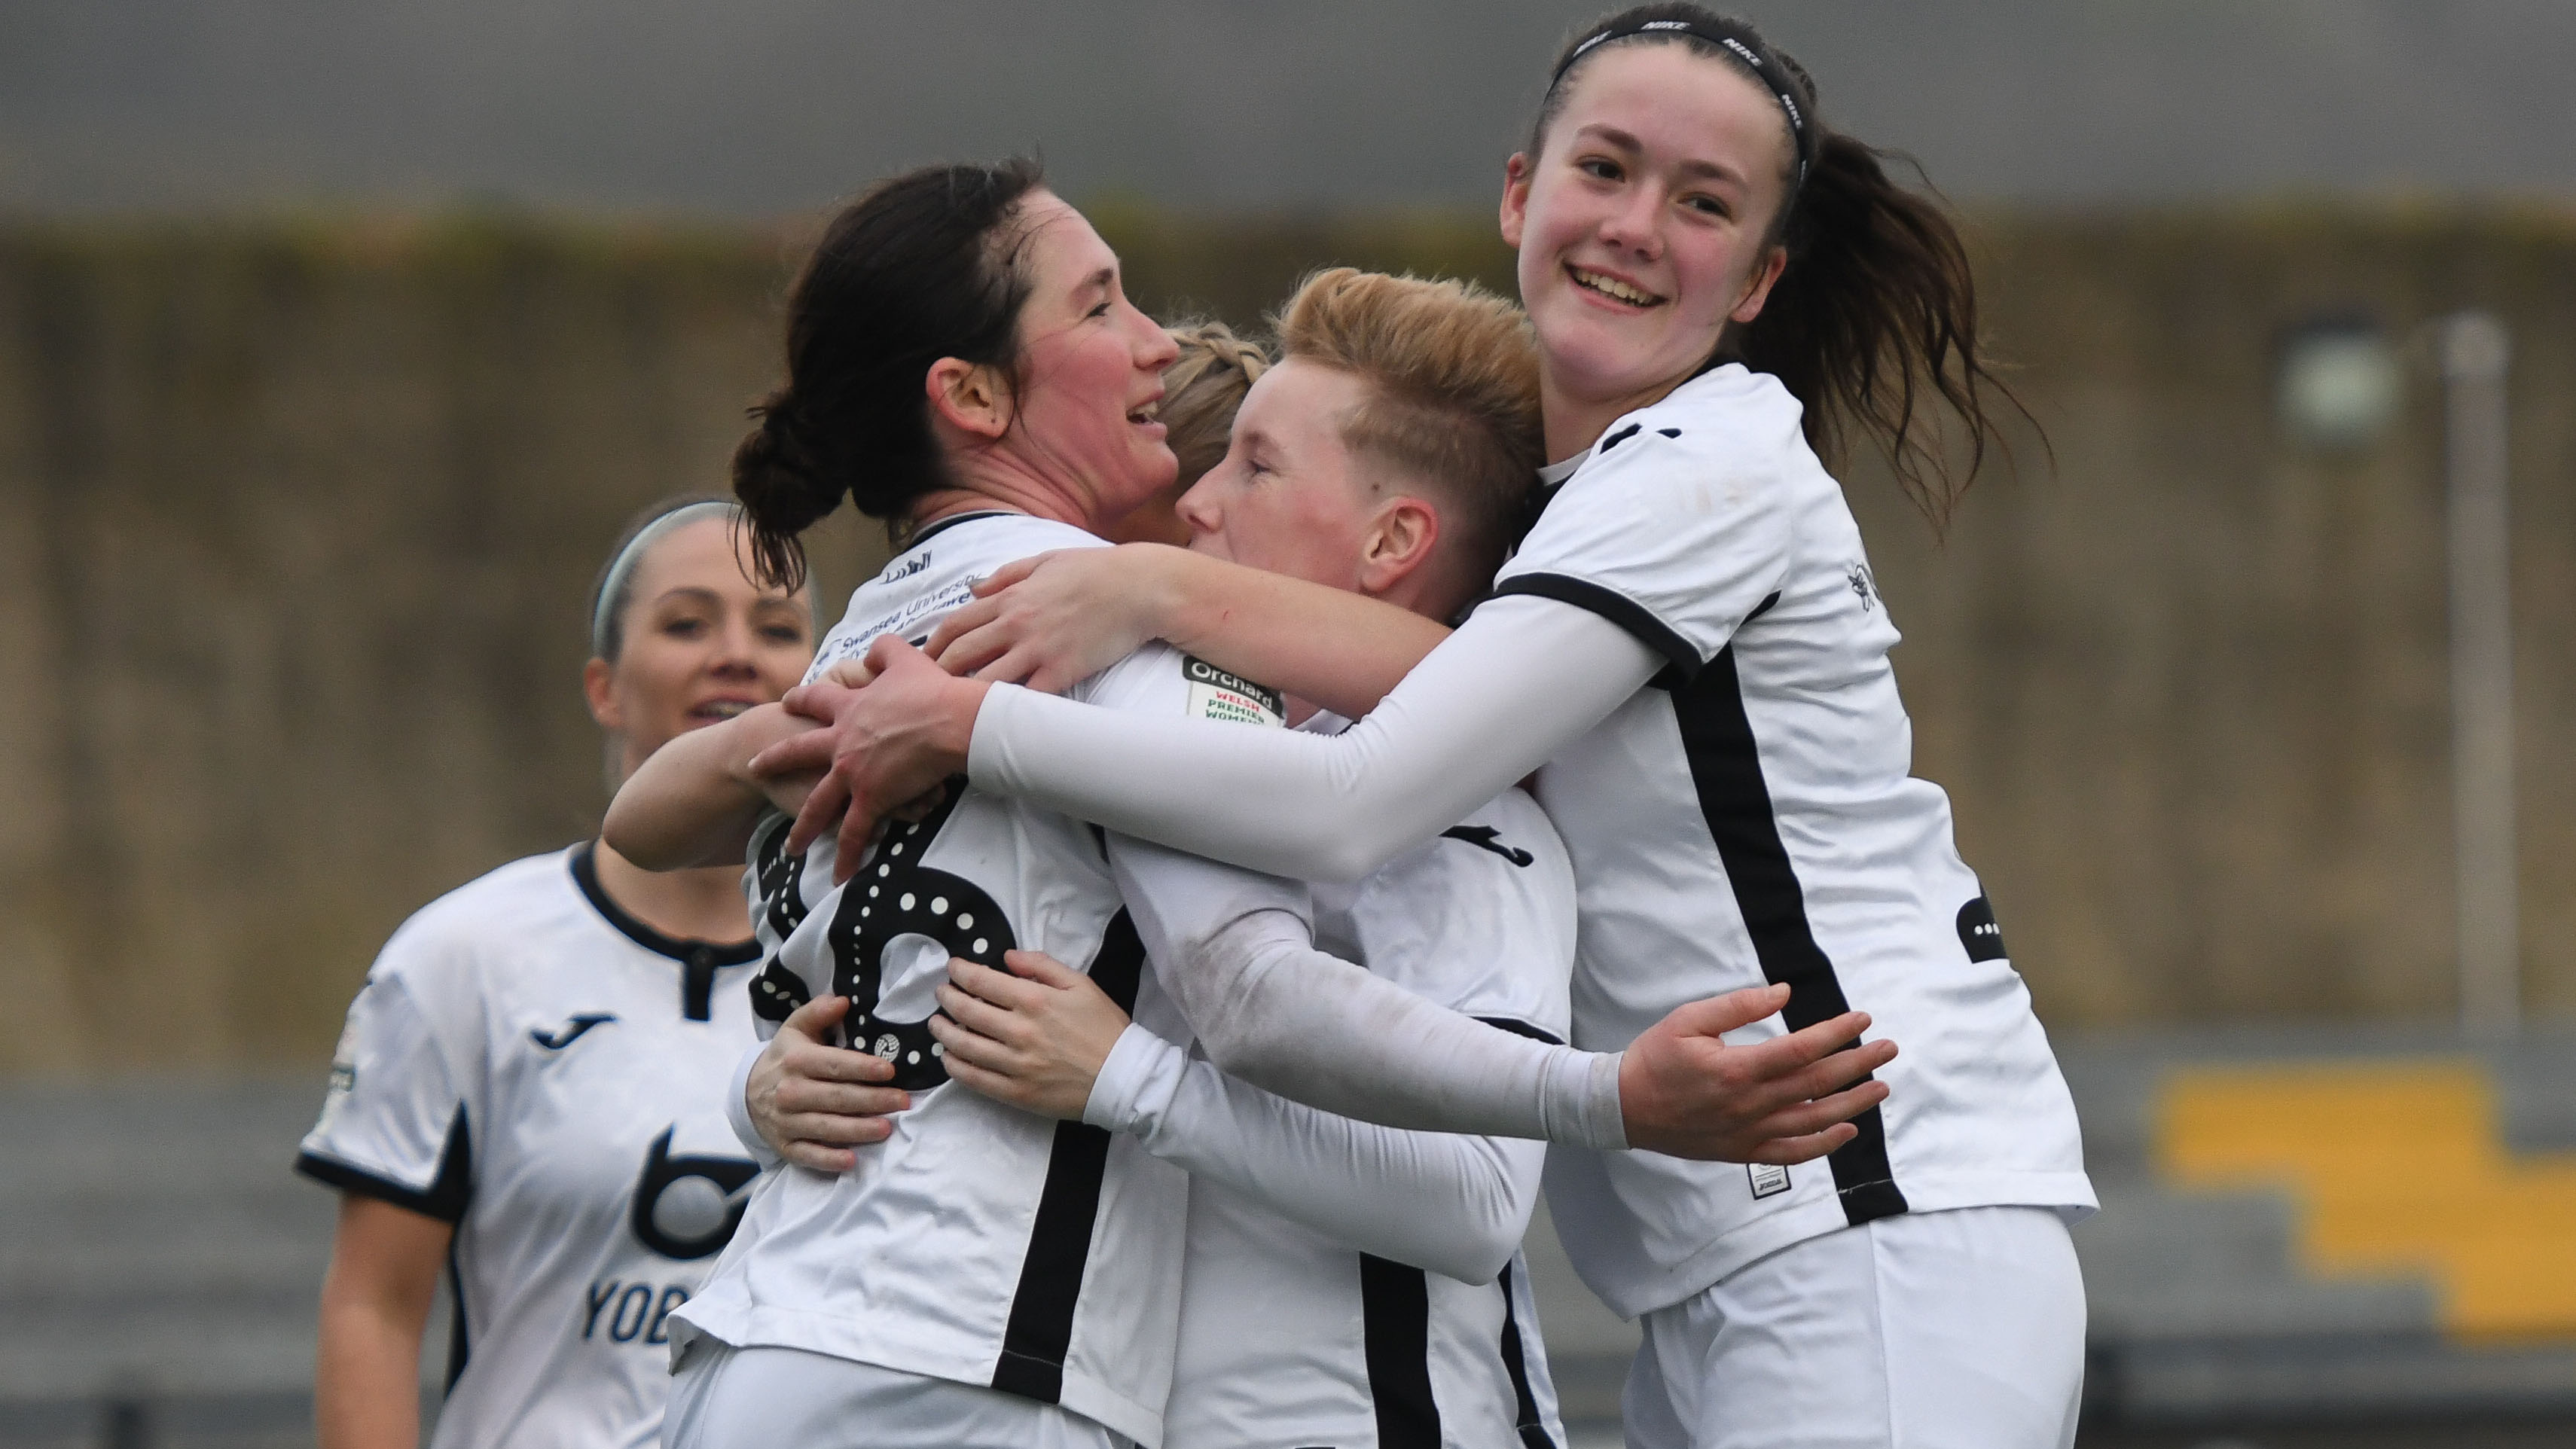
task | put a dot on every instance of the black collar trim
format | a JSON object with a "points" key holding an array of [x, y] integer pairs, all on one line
{"points": [[951, 521], [585, 873]]}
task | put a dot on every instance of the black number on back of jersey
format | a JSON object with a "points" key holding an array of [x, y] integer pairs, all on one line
{"points": [[896, 895]]}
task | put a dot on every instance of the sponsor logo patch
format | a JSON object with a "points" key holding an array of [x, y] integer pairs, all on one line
{"points": [[1217, 695], [1769, 1179]]}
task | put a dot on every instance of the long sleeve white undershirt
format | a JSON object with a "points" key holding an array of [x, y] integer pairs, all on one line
{"points": [[1270, 1008], [1520, 680], [1457, 1205]]}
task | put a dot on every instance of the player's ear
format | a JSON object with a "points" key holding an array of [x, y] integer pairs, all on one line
{"points": [[972, 397], [599, 688], [1516, 189], [1399, 541]]}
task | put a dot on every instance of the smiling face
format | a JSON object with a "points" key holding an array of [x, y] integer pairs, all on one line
{"points": [[702, 643], [1642, 225], [1090, 374], [1289, 497]]}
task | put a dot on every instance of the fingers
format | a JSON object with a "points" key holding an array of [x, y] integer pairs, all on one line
{"points": [[1050, 678], [1837, 1071], [1001, 988], [857, 826], [918, 808], [850, 674], [1718, 1015], [1035, 966], [958, 1044], [1010, 667], [837, 1129], [818, 1063], [802, 754], [816, 701], [1815, 1043], [829, 801], [1009, 574], [994, 1023], [1790, 1151], [966, 619], [986, 1084], [1802, 1119], [892, 651], [819, 1157], [816, 1018]]}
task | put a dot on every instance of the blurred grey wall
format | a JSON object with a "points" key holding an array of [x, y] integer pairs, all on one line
{"points": [[296, 522], [764, 106]]}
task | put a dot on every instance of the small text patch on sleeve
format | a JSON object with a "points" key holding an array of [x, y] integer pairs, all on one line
{"points": [[1217, 695]]}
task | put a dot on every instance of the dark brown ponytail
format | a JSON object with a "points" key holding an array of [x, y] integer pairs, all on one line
{"points": [[1873, 325], [917, 269]]}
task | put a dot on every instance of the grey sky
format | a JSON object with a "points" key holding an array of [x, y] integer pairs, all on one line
{"points": [[758, 106]]}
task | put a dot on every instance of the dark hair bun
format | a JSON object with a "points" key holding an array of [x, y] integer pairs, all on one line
{"points": [[908, 274]]}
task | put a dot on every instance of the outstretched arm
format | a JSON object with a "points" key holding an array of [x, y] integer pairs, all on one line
{"points": [[1521, 679], [695, 802], [1050, 621], [1045, 1038]]}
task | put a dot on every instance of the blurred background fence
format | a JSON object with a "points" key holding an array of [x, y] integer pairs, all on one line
{"points": [[296, 521]]}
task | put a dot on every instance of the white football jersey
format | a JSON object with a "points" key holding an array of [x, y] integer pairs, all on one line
{"points": [[532, 1064], [979, 1243], [1752, 818], [1289, 1338]]}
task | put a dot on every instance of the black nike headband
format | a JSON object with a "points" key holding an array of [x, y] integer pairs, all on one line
{"points": [[1738, 42]]}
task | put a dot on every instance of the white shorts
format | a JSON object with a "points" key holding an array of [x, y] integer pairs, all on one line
{"points": [[724, 1397], [1944, 1330]]}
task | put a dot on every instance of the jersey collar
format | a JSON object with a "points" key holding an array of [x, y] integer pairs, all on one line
{"points": [[698, 958]]}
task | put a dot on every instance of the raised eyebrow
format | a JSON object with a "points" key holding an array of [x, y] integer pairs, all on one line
{"points": [[1612, 136], [1620, 140]]}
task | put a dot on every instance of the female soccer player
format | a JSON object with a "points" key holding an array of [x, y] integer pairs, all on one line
{"points": [[1341, 1283], [527, 1090], [962, 360], [1691, 645]]}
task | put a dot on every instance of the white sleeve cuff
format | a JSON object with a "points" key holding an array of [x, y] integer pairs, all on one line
{"points": [[738, 1109], [1137, 1079]]}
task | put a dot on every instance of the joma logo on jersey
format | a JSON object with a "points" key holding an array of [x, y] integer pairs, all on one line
{"points": [[570, 1032], [1218, 695]]}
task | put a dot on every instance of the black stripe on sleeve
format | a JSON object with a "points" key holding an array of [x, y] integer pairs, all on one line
{"points": [[1395, 1325], [457, 1350], [1726, 769], [1618, 608], [1039, 1331], [1525, 1418], [446, 1196]]}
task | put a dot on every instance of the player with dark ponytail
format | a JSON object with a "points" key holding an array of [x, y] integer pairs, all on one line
{"points": [[923, 267], [1691, 651]]}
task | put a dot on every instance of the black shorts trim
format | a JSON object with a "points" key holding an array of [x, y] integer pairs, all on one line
{"points": [[1639, 621], [446, 1197], [1735, 801], [1395, 1329], [1525, 1416], [1039, 1331]]}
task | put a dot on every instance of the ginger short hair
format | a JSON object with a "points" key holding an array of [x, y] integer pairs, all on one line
{"points": [[1452, 379]]}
